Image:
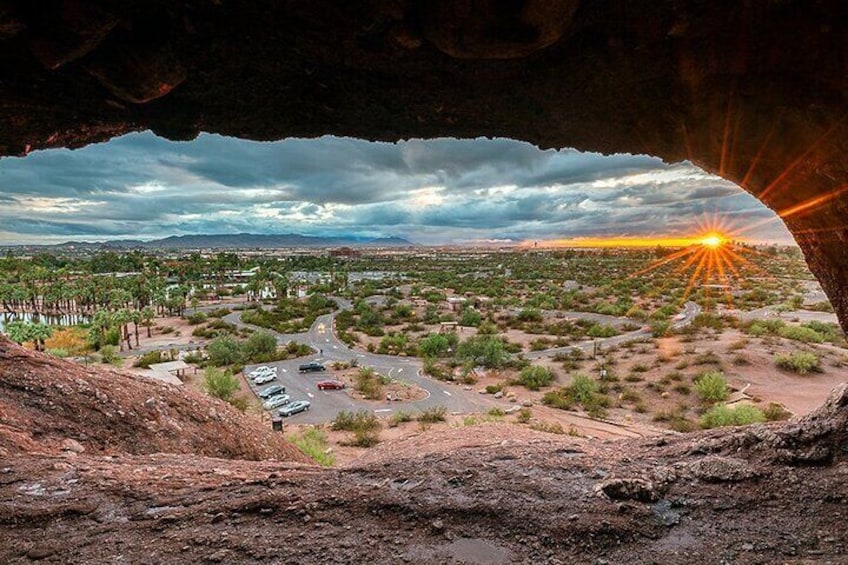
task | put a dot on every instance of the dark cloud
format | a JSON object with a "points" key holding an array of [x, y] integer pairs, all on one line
{"points": [[430, 191]]}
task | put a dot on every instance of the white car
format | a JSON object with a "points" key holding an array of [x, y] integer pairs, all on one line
{"points": [[276, 401], [262, 379], [263, 370]]}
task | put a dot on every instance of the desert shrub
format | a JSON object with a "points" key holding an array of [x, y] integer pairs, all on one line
{"points": [[530, 315], [224, 350], [630, 395], [582, 388], [435, 345], [399, 417], [707, 358], [365, 438], [775, 412], [548, 427], [436, 370], [723, 415], [220, 384], [682, 389], [496, 412], [492, 389], [800, 333], [535, 376], [682, 425], [313, 443], [801, 362], [259, 345], [352, 421], [660, 328], [601, 330], [109, 355], [711, 386], [485, 350], [196, 318], [639, 368], [148, 359], [59, 352], [432, 415], [559, 398], [523, 415], [369, 384]]}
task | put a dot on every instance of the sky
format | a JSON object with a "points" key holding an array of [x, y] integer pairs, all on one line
{"points": [[442, 191]]}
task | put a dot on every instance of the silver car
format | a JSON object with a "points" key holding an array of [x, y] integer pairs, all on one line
{"points": [[294, 407], [275, 401]]}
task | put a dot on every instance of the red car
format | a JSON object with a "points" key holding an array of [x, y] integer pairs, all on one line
{"points": [[330, 385]]}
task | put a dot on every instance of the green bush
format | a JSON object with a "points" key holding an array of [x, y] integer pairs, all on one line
{"points": [[801, 362], [224, 350], [196, 318], [432, 415], [259, 345], [352, 421], [485, 350], [535, 376], [559, 398], [220, 384], [148, 359], [712, 386], [399, 417], [582, 388], [802, 334], [722, 415], [109, 355], [601, 330], [369, 384], [523, 415], [436, 345]]}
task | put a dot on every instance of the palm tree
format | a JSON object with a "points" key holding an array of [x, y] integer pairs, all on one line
{"points": [[136, 317], [121, 318], [40, 333], [147, 315]]}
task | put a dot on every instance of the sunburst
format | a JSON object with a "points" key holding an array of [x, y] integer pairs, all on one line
{"points": [[713, 260]]}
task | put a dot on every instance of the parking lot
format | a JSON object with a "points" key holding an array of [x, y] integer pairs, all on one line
{"points": [[325, 404]]}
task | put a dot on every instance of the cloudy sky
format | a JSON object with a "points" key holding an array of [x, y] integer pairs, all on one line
{"points": [[430, 192]]}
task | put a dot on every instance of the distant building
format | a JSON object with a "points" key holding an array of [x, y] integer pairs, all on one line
{"points": [[345, 252]]}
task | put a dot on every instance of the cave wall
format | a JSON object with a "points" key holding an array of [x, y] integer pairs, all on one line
{"points": [[754, 91]]}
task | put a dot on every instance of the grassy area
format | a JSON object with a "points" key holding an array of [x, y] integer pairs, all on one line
{"points": [[313, 443]]}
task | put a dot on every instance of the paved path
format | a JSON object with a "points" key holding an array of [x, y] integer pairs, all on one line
{"points": [[690, 310]]}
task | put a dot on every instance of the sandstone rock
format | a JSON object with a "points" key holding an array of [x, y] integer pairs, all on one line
{"points": [[628, 489]]}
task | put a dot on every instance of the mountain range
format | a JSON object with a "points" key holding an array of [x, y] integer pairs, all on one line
{"points": [[241, 241]]}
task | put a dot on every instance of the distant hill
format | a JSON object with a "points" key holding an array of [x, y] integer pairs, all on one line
{"points": [[243, 241]]}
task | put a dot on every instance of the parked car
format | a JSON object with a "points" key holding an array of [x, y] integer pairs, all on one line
{"points": [[294, 408], [265, 378], [276, 401], [271, 391], [330, 384], [312, 366], [264, 369]]}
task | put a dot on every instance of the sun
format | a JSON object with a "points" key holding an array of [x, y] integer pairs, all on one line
{"points": [[713, 240]]}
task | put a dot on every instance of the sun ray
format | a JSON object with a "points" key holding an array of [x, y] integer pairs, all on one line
{"points": [[756, 160], [725, 140], [800, 159]]}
